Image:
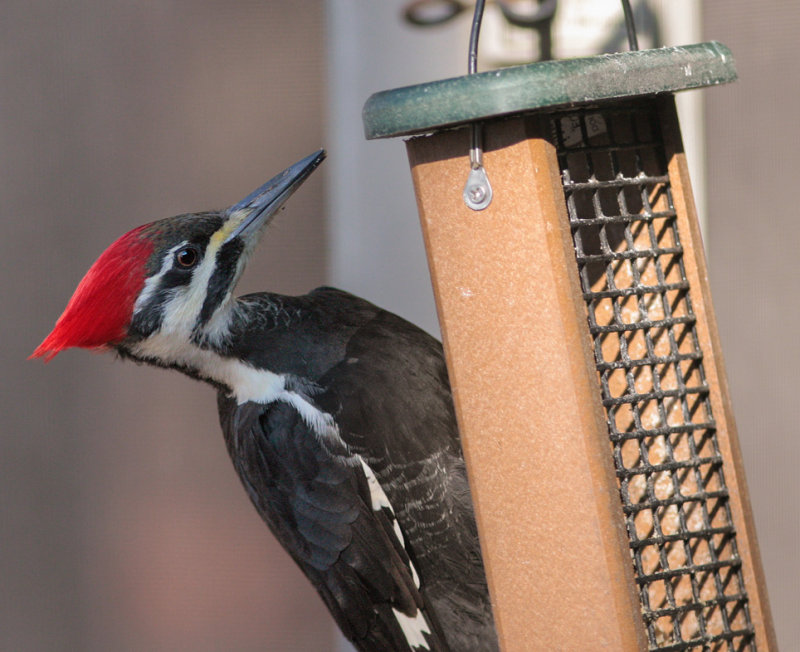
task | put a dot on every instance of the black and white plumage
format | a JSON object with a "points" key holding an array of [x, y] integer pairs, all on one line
{"points": [[337, 416]]}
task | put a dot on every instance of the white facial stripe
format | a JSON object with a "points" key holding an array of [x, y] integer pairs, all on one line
{"points": [[218, 325], [184, 304], [151, 283], [183, 309]]}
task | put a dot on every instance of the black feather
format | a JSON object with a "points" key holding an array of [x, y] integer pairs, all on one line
{"points": [[385, 384]]}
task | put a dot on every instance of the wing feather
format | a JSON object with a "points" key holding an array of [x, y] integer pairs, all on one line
{"points": [[319, 504]]}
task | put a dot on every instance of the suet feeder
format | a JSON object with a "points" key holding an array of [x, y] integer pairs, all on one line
{"points": [[583, 351]]}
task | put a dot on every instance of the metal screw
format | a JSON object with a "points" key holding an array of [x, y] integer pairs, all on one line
{"points": [[477, 191]]}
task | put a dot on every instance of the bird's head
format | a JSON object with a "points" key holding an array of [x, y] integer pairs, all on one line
{"points": [[170, 278]]}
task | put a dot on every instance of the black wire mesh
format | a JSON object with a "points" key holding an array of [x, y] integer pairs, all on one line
{"points": [[653, 384]]}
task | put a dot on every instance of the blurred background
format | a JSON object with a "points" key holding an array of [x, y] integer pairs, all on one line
{"points": [[122, 524]]}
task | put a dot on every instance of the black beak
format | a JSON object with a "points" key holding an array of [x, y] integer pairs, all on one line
{"points": [[264, 202]]}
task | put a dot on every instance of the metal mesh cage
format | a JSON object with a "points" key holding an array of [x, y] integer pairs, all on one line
{"points": [[654, 389]]}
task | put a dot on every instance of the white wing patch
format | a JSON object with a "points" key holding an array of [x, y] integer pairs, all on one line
{"points": [[414, 628], [381, 501], [376, 493]]}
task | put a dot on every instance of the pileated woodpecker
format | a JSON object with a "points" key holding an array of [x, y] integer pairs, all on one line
{"points": [[337, 415]]}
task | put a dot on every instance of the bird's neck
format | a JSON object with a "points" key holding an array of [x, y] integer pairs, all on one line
{"points": [[211, 356], [206, 354]]}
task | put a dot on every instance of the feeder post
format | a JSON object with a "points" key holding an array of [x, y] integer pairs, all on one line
{"points": [[521, 367], [583, 355]]}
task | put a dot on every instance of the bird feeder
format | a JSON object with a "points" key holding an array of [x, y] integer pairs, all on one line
{"points": [[583, 351]]}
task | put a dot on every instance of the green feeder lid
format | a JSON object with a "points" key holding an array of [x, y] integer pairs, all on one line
{"points": [[449, 102]]}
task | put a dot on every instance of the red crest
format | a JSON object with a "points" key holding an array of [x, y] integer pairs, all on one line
{"points": [[101, 307]]}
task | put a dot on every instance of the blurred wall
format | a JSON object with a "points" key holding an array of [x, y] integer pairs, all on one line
{"points": [[754, 235], [376, 247], [122, 523]]}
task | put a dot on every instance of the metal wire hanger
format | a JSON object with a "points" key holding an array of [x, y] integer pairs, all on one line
{"points": [[477, 191]]}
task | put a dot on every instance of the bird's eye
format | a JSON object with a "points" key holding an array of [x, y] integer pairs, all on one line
{"points": [[187, 257]]}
